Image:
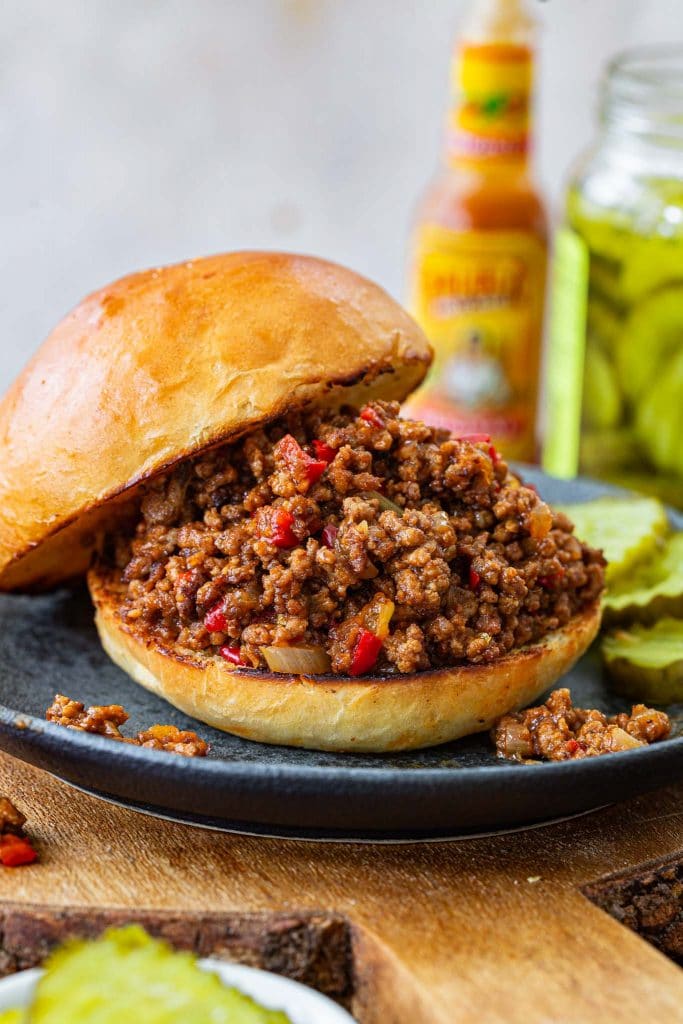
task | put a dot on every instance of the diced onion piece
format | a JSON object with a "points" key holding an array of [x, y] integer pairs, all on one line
{"points": [[384, 618], [539, 521], [308, 661], [513, 739], [329, 535], [619, 739], [376, 615], [385, 504]]}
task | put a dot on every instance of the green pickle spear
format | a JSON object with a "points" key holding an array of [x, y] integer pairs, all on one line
{"points": [[659, 417], [601, 395], [645, 663], [11, 1017], [127, 976], [651, 337], [650, 264], [629, 530], [651, 591]]}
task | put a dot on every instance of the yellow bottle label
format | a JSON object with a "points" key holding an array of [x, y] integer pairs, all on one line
{"points": [[490, 116], [479, 298]]}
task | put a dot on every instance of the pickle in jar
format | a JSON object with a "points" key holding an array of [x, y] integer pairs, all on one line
{"points": [[604, 323], [659, 419], [645, 663], [613, 450], [621, 288], [652, 335], [602, 403], [650, 264]]}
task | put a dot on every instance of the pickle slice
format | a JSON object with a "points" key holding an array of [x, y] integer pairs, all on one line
{"points": [[659, 418], [652, 334], [646, 663], [604, 323], [651, 591], [667, 488], [606, 233], [604, 452], [602, 406], [11, 1017], [127, 976], [649, 264], [628, 530]]}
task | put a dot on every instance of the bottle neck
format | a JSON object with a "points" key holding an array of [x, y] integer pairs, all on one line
{"points": [[490, 119]]}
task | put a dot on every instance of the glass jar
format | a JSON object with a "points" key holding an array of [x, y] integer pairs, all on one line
{"points": [[614, 395]]}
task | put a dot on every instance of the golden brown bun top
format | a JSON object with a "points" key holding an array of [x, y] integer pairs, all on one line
{"points": [[164, 364]]}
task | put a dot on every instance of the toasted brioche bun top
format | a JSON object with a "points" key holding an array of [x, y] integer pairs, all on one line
{"points": [[166, 363]]}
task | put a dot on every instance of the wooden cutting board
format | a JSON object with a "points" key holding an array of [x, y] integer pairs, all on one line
{"points": [[496, 929]]}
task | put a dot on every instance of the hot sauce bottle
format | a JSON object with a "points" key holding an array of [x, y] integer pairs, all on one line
{"points": [[478, 254]]}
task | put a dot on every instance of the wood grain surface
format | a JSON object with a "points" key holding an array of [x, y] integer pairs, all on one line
{"points": [[493, 929]]}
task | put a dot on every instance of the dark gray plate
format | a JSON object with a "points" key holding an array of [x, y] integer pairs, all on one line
{"points": [[48, 644]]}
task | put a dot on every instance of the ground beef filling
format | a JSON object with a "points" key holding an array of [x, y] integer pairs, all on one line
{"points": [[11, 820], [364, 541], [107, 719], [558, 731]]}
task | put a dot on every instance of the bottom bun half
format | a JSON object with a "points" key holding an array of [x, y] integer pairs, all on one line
{"points": [[368, 714]]}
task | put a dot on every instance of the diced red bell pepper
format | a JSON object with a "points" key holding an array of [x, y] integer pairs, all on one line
{"points": [[300, 464], [315, 469], [282, 534], [553, 580], [215, 620], [494, 454], [15, 851], [475, 579], [324, 451], [572, 746], [365, 652], [275, 524], [372, 417], [232, 654], [329, 535]]}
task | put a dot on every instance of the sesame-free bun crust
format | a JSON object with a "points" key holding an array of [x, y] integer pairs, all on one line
{"points": [[163, 364], [370, 713]]}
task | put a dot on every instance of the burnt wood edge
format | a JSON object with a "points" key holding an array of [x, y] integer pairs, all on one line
{"points": [[648, 900], [313, 948]]}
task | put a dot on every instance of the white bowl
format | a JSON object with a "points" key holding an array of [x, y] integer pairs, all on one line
{"points": [[301, 1004]]}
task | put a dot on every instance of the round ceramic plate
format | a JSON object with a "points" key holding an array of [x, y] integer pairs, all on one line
{"points": [[48, 645], [301, 1004]]}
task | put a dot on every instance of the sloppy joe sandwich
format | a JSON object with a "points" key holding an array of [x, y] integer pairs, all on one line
{"points": [[272, 548]]}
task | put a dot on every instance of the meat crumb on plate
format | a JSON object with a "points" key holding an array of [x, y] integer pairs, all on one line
{"points": [[559, 731], [106, 720]]}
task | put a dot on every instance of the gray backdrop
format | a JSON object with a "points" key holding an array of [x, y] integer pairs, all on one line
{"points": [[137, 132]]}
